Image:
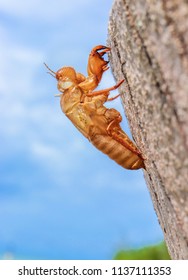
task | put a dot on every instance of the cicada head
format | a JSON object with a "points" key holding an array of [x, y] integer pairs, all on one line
{"points": [[66, 77]]}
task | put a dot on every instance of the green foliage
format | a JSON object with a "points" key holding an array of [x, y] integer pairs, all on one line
{"points": [[156, 252]]}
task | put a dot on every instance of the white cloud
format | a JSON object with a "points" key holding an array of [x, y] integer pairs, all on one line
{"points": [[44, 151], [18, 63], [17, 68], [42, 10], [19, 116]]}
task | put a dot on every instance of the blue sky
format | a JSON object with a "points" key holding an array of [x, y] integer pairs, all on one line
{"points": [[60, 198]]}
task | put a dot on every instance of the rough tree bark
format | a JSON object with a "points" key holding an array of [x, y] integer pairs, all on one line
{"points": [[149, 49]]}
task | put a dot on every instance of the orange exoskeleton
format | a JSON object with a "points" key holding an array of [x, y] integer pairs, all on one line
{"points": [[85, 108]]}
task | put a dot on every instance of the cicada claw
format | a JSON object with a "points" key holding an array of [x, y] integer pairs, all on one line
{"points": [[98, 48], [96, 63]]}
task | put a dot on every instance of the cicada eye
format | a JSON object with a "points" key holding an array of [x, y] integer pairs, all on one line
{"points": [[59, 74]]}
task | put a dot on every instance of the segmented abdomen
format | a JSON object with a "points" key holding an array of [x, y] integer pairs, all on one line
{"points": [[117, 152]]}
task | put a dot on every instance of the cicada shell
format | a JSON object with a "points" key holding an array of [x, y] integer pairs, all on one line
{"points": [[85, 108]]}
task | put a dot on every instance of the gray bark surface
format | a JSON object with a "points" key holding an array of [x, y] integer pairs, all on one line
{"points": [[149, 49]]}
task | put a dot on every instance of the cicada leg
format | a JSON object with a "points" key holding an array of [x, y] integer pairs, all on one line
{"points": [[105, 91], [113, 98], [115, 131]]}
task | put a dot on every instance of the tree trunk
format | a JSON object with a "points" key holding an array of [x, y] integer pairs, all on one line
{"points": [[149, 49]]}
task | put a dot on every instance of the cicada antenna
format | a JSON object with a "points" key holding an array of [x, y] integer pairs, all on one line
{"points": [[51, 72]]}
